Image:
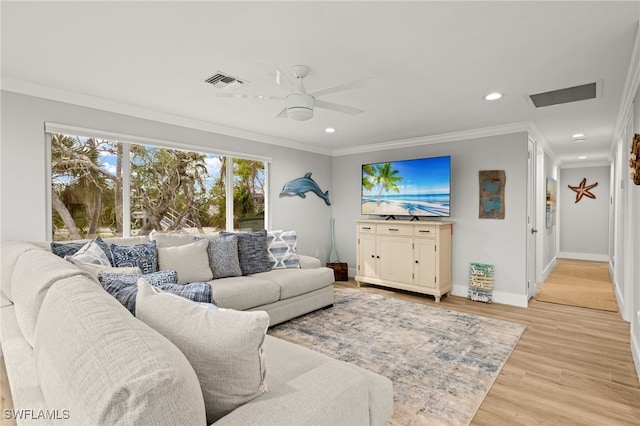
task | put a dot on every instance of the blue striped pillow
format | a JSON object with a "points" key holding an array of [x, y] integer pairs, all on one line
{"points": [[282, 249]]}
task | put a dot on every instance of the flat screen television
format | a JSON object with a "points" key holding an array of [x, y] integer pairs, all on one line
{"points": [[418, 187]]}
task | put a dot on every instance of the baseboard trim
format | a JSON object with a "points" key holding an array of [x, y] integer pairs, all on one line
{"points": [[498, 296], [635, 350], [583, 256], [549, 268]]}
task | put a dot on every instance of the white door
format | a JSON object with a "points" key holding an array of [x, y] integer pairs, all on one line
{"points": [[396, 259], [531, 220]]}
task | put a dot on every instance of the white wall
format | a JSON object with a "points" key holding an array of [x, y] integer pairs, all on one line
{"points": [[634, 234], [23, 170], [584, 226], [498, 242]]}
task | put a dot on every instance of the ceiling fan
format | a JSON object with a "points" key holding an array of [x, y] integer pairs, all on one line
{"points": [[300, 103]]}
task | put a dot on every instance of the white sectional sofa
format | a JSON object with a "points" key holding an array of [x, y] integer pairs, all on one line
{"points": [[75, 355]]}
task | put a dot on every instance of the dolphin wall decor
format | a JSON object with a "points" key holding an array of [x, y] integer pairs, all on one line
{"points": [[302, 185]]}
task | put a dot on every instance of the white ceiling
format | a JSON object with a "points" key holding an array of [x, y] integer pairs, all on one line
{"points": [[432, 62]]}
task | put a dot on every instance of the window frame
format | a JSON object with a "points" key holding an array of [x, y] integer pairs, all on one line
{"points": [[127, 141]]}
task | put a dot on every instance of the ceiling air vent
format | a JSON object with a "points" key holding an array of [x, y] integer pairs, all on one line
{"points": [[570, 94], [223, 81]]}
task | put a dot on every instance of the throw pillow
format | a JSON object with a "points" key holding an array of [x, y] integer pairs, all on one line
{"points": [[190, 260], [123, 286], [223, 256], [144, 256], [252, 251], [224, 346], [166, 239], [90, 253], [282, 249], [69, 249]]}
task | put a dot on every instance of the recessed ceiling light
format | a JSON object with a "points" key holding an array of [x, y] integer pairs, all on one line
{"points": [[582, 157], [330, 130], [493, 96], [579, 140], [578, 135]]}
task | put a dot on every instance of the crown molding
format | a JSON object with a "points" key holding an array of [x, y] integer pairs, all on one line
{"points": [[631, 85], [29, 88], [436, 139]]}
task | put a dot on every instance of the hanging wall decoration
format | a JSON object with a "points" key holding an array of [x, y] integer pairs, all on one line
{"points": [[583, 190], [634, 159], [302, 185], [492, 194]]}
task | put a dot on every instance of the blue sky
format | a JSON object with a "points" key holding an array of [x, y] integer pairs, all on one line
{"points": [[421, 176]]}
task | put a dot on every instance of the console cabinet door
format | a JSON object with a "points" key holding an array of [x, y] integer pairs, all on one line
{"points": [[367, 262], [396, 257], [425, 262]]}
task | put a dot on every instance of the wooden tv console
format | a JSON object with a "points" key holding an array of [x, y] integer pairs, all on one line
{"points": [[414, 256]]}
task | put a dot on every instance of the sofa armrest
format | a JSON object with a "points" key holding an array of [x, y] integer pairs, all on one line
{"points": [[329, 394], [308, 262]]}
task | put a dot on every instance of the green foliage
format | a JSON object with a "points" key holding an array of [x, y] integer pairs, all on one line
{"points": [[165, 183]]}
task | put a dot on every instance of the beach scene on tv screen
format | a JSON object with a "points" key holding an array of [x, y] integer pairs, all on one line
{"points": [[420, 187]]}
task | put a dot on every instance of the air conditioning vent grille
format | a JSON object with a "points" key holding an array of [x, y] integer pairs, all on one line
{"points": [[223, 81], [562, 96]]}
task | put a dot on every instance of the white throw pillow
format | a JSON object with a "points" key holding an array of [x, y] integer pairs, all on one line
{"points": [[224, 346], [90, 253], [191, 261], [91, 258]]}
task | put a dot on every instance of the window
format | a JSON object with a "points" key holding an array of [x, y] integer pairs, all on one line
{"points": [[109, 188]]}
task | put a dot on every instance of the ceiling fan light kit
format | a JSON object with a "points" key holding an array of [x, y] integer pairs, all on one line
{"points": [[299, 106]]}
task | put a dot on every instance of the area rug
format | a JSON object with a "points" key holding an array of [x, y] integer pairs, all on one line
{"points": [[442, 363], [579, 283]]}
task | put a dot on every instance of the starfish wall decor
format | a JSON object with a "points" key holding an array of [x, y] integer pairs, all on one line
{"points": [[583, 190]]}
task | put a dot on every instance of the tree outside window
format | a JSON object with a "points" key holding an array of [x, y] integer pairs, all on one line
{"points": [[170, 189]]}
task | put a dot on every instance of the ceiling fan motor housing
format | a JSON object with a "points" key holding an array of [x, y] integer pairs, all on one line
{"points": [[300, 106]]}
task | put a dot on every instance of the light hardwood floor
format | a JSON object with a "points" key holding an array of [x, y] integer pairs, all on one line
{"points": [[572, 366]]}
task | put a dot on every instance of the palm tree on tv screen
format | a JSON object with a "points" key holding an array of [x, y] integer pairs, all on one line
{"points": [[387, 178]]}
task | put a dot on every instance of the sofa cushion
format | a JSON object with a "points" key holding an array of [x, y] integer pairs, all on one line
{"points": [[11, 251], [63, 249], [243, 293], [168, 239], [106, 367], [191, 261], [223, 256], [224, 346], [144, 256], [252, 251], [294, 282], [34, 273]]}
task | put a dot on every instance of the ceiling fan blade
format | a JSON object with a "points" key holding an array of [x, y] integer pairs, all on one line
{"points": [[343, 87], [248, 96], [283, 113], [280, 74], [337, 107]]}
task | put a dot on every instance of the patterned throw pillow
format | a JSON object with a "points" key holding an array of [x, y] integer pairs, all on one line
{"points": [[282, 249], [90, 253], [223, 256], [69, 249], [144, 256], [124, 286], [252, 251]]}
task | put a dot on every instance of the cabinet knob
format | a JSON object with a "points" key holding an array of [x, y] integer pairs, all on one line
{"points": [[372, 256], [377, 257], [416, 261]]}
